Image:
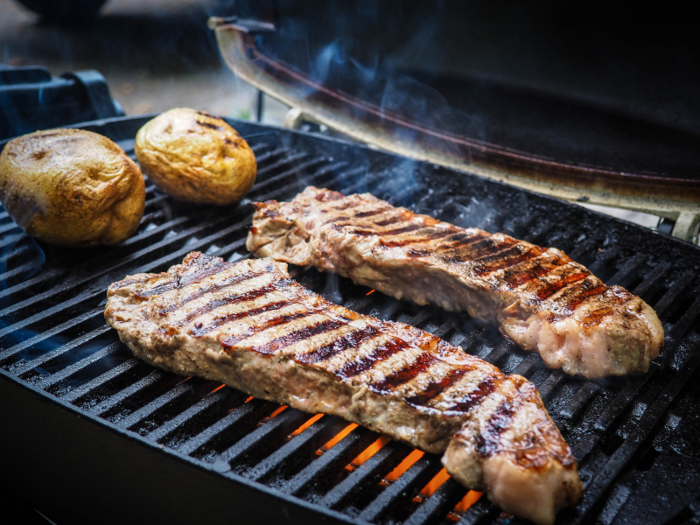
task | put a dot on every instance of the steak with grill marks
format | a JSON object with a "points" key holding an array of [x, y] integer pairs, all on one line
{"points": [[540, 298], [251, 327]]}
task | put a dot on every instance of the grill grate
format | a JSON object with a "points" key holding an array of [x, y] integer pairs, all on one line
{"points": [[622, 431]]}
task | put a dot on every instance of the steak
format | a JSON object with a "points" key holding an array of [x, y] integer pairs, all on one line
{"points": [[251, 327], [539, 297]]}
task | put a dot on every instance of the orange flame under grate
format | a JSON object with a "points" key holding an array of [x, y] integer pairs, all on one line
{"points": [[307, 424], [370, 451], [406, 464], [339, 436], [435, 483], [467, 501], [277, 412]]}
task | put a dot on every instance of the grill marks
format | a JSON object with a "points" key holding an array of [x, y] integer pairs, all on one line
{"points": [[199, 274], [280, 320], [488, 246], [370, 233], [484, 251], [297, 335], [524, 273], [435, 388], [507, 259], [439, 234], [351, 340], [401, 217], [187, 279], [575, 296], [406, 373], [357, 224], [465, 238], [220, 321], [544, 289], [216, 287], [485, 388], [371, 213], [361, 364], [157, 290], [596, 315], [488, 441], [242, 298]]}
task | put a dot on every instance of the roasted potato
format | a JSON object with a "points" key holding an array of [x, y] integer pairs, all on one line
{"points": [[71, 187], [196, 157]]}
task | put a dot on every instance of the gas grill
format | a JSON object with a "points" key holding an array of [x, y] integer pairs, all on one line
{"points": [[91, 433]]}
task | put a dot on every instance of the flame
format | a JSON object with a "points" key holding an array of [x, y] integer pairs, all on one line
{"points": [[467, 501], [370, 451], [307, 424], [218, 388], [435, 483], [249, 399], [406, 464], [371, 292], [340, 435], [276, 412]]}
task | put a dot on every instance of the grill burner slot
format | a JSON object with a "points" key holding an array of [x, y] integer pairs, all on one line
{"points": [[623, 431]]}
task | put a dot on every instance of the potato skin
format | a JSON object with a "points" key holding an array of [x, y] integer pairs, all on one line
{"points": [[71, 187], [197, 157]]}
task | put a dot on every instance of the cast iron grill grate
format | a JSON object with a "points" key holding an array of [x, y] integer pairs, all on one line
{"points": [[623, 431]]}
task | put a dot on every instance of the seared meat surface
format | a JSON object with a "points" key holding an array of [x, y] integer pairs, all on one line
{"points": [[540, 298], [248, 325]]}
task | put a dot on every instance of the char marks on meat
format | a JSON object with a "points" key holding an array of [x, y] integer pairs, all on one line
{"points": [[540, 298], [251, 327]]}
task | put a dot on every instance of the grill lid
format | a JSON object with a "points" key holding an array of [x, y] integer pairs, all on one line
{"points": [[142, 442], [405, 81]]}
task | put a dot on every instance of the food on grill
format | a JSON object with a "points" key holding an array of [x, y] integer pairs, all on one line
{"points": [[248, 325], [196, 157], [511, 428], [540, 298], [71, 187]]}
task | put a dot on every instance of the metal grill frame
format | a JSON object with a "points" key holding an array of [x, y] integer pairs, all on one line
{"points": [[611, 425]]}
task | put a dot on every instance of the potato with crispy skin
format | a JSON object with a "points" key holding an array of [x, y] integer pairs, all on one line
{"points": [[71, 187], [196, 157]]}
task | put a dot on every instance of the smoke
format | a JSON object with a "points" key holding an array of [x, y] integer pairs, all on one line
{"points": [[331, 288], [475, 214], [331, 55]]}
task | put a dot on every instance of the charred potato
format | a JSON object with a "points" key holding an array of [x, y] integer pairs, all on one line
{"points": [[71, 187], [196, 157]]}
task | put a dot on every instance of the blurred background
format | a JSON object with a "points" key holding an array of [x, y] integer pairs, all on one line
{"points": [[154, 54]]}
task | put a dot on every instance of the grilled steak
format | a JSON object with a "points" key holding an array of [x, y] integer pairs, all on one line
{"points": [[540, 298], [248, 325]]}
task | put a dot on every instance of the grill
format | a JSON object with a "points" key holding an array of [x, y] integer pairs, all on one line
{"points": [[88, 430]]}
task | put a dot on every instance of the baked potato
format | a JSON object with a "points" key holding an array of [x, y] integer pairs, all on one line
{"points": [[197, 157], [71, 187]]}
